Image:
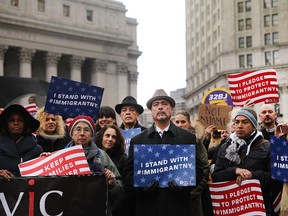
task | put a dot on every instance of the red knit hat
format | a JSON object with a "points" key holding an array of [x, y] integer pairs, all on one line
{"points": [[82, 118]]}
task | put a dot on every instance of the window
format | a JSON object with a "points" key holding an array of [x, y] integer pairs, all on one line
{"points": [[240, 25], [240, 7], [267, 58], [241, 42], [274, 19], [267, 21], [248, 5], [267, 3], [41, 5], [89, 15], [276, 57], [248, 23], [275, 37], [14, 3], [242, 61], [66, 10], [267, 39], [274, 3], [249, 60], [249, 41]]}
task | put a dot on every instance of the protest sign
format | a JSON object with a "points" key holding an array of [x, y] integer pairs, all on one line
{"points": [[70, 98], [214, 115], [69, 161], [31, 108], [164, 163], [259, 86], [128, 135], [70, 195], [279, 158], [230, 199], [218, 96]]}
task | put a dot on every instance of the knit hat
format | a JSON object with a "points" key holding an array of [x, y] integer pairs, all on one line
{"points": [[82, 118], [129, 101], [160, 94], [249, 114]]}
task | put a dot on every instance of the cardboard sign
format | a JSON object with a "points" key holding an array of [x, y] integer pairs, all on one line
{"points": [[164, 163], [259, 86], [214, 115], [69, 161], [70, 98], [230, 199]]}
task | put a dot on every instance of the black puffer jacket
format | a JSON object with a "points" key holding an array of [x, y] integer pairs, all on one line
{"points": [[12, 154]]}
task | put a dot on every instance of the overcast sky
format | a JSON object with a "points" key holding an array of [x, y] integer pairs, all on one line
{"points": [[161, 39]]}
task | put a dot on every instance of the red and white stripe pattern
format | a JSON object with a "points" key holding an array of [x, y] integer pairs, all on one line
{"points": [[228, 198], [277, 203], [31, 108], [70, 161], [259, 86]]}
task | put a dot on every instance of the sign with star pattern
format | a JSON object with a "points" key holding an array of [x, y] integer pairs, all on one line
{"points": [[70, 98], [128, 135], [164, 163], [279, 158]]}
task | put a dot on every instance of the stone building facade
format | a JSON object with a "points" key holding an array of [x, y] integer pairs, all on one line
{"points": [[90, 41], [224, 37]]}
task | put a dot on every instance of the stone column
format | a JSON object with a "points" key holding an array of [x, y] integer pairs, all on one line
{"points": [[26, 56], [3, 49], [123, 87], [98, 72], [76, 63], [51, 64], [133, 77]]}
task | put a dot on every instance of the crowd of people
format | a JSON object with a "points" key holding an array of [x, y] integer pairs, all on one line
{"points": [[239, 153]]}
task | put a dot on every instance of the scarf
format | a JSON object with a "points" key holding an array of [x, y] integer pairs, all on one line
{"points": [[238, 146]]}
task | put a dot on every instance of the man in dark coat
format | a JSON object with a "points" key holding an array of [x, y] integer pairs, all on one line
{"points": [[129, 112], [155, 201], [246, 155]]}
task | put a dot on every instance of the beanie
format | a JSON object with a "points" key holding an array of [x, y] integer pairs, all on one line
{"points": [[249, 114], [82, 118]]}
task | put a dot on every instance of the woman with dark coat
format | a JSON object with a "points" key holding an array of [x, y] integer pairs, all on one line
{"points": [[51, 135], [17, 143], [111, 140]]}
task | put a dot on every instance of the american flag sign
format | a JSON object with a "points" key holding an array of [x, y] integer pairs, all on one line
{"points": [[164, 163], [69, 161], [259, 86], [228, 198]]}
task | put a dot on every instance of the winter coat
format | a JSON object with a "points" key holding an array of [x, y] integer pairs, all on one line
{"points": [[12, 154], [162, 201], [51, 143], [257, 162]]}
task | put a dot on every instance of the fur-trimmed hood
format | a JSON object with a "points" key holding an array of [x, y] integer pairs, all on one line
{"points": [[199, 130]]}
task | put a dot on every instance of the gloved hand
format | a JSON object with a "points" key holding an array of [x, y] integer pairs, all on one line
{"points": [[153, 186], [174, 187]]}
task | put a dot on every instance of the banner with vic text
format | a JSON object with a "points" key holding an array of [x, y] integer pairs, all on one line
{"points": [[228, 198], [70, 98], [69, 196], [68, 161], [258, 86], [164, 163]]}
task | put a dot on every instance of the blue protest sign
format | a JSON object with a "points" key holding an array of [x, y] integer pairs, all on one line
{"points": [[70, 98], [128, 135], [164, 163], [279, 158]]}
